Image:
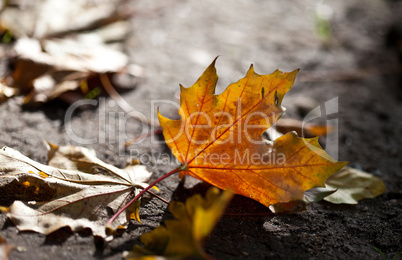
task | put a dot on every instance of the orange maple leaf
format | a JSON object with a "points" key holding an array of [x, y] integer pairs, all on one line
{"points": [[219, 139]]}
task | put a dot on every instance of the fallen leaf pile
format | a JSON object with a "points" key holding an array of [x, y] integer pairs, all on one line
{"points": [[75, 190], [63, 52]]}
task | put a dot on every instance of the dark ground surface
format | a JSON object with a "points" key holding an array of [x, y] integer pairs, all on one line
{"points": [[175, 45]]}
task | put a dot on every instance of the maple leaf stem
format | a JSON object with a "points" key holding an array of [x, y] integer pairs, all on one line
{"points": [[113, 218]]}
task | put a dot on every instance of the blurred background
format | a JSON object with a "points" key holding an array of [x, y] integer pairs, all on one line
{"points": [[54, 53]]}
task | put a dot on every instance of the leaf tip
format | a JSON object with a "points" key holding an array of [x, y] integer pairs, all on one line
{"points": [[291, 76], [212, 65], [214, 61], [4, 209], [50, 145], [251, 70], [160, 117]]}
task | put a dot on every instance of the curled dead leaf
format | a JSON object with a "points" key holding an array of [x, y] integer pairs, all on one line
{"points": [[56, 59], [347, 186], [80, 191], [353, 185]]}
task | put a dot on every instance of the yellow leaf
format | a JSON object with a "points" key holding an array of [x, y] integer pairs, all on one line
{"points": [[184, 236], [4, 209], [219, 139]]}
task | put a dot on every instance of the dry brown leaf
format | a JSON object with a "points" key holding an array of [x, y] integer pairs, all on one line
{"points": [[46, 67], [347, 186], [53, 67], [353, 185], [41, 18], [302, 129], [78, 190]]}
